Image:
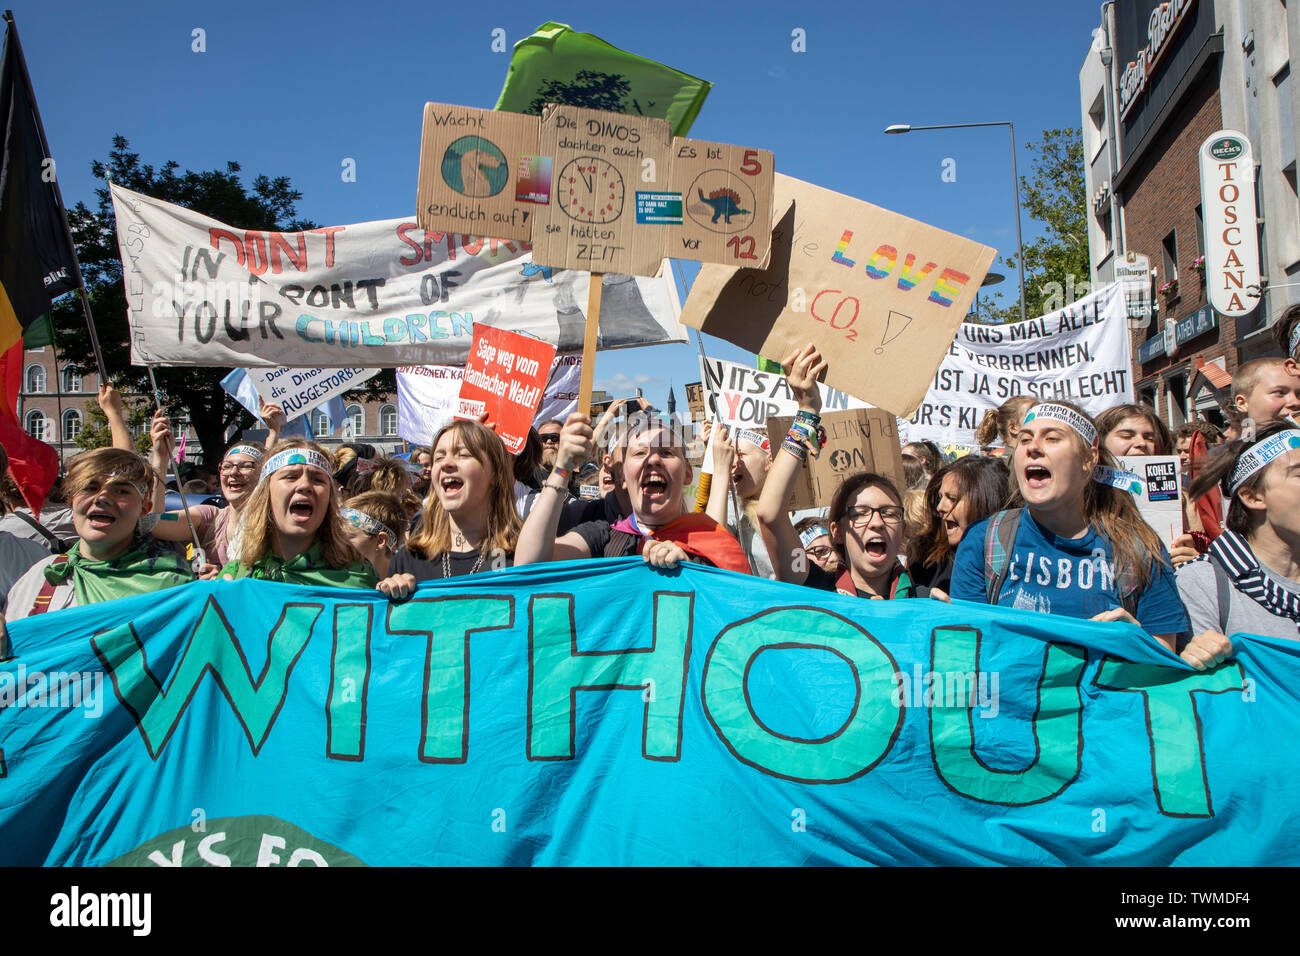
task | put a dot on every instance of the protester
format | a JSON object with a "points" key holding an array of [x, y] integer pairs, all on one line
{"points": [[16, 554], [926, 454], [422, 458], [1076, 546], [470, 523], [110, 490], [655, 472], [1264, 389], [613, 503], [1202, 517], [528, 473], [54, 527], [960, 494], [866, 511], [375, 522], [292, 529], [1138, 430], [218, 529], [1288, 338], [745, 457], [1003, 423], [1249, 582], [815, 539], [548, 434]]}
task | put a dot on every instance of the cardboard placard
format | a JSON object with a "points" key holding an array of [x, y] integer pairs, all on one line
{"points": [[479, 172], [504, 377], [881, 295], [601, 160], [724, 202], [860, 439], [1160, 501]]}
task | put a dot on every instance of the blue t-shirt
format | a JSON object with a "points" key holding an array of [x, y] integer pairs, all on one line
{"points": [[1070, 576]]}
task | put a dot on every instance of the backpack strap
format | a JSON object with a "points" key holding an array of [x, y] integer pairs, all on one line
{"points": [[999, 542], [41, 603], [53, 543]]}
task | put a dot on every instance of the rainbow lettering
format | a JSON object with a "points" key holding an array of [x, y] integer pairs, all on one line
{"points": [[944, 291], [906, 280], [882, 261], [841, 248]]}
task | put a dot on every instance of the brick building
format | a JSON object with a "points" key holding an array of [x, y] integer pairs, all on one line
{"points": [[1158, 80]]}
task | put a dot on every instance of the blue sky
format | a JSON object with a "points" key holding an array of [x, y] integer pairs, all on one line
{"points": [[295, 88]]}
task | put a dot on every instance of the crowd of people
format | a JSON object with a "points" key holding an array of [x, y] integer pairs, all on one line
{"points": [[1043, 519]]}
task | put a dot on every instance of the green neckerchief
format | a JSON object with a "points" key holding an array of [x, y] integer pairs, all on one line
{"points": [[306, 568], [140, 569]]}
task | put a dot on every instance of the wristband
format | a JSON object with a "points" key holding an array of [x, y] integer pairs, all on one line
{"points": [[795, 448], [563, 473], [803, 415], [562, 489]]}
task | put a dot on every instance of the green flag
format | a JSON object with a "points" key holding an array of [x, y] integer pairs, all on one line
{"points": [[558, 65], [39, 334], [767, 365]]}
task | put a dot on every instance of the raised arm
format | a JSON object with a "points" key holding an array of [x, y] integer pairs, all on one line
{"points": [[724, 455], [802, 369], [160, 456], [110, 401], [537, 541], [273, 416]]}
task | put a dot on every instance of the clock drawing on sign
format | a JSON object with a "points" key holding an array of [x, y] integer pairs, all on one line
{"points": [[591, 190]]}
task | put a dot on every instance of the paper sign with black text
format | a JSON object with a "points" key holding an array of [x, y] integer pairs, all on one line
{"points": [[299, 390], [1159, 501]]}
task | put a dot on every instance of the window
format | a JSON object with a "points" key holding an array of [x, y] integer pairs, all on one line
{"points": [[35, 378], [388, 421], [71, 381], [37, 424], [357, 419], [320, 423], [71, 424], [1285, 127], [1169, 252]]}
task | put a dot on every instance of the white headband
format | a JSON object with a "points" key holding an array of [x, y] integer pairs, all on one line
{"points": [[1118, 478], [295, 456], [1260, 455], [761, 442], [1295, 338], [249, 450], [1066, 416], [367, 523], [810, 535]]}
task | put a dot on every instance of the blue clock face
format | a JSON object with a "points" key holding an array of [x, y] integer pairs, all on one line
{"points": [[591, 190]]}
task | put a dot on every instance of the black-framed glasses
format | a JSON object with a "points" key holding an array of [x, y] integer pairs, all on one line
{"points": [[243, 467], [819, 553], [860, 515]]}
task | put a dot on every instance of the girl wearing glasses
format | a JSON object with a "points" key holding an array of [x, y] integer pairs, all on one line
{"points": [[110, 490], [1078, 546], [866, 525], [470, 524], [292, 529]]}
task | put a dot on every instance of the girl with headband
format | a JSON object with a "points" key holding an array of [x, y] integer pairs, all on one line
{"points": [[375, 524], [111, 491], [1078, 546], [866, 513], [744, 455], [1249, 581], [292, 529], [218, 529], [469, 524]]}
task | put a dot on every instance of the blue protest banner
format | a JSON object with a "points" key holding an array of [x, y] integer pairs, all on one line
{"points": [[607, 713]]}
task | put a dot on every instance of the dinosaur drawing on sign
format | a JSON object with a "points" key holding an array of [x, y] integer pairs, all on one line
{"points": [[724, 202]]}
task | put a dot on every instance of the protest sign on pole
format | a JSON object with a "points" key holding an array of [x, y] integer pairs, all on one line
{"points": [[426, 400], [504, 377], [374, 295], [1158, 496], [1080, 353], [299, 390], [878, 293]]}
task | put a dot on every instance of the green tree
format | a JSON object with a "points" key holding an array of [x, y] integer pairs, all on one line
{"points": [[1054, 195], [189, 393], [94, 430]]}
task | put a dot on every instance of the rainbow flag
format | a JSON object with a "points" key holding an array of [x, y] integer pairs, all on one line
{"points": [[559, 65]]}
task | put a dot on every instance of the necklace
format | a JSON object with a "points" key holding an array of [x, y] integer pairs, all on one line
{"points": [[446, 564]]}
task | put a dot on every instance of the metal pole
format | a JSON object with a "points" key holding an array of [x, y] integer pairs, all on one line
{"points": [[199, 556], [1015, 182]]}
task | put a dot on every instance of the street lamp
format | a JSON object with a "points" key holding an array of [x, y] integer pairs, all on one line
{"points": [[1015, 181]]}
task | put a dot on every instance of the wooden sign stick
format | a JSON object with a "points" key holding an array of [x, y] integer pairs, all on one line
{"points": [[589, 342]]}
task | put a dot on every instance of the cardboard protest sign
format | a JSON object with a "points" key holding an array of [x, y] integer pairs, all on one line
{"points": [[504, 377], [601, 160], [480, 172], [723, 197], [299, 390], [375, 295], [1080, 353], [1159, 500], [860, 439], [878, 293]]}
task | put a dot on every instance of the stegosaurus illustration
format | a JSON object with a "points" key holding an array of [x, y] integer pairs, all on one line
{"points": [[725, 203]]}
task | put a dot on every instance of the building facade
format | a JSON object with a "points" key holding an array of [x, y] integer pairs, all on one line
{"points": [[1159, 79], [54, 403]]}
